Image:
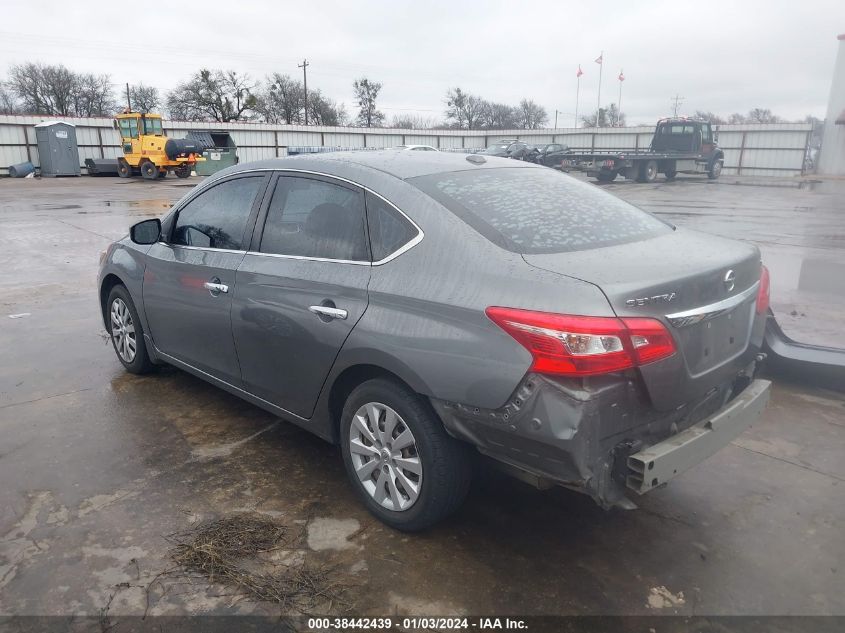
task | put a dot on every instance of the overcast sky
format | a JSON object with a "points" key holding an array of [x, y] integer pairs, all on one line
{"points": [[719, 56]]}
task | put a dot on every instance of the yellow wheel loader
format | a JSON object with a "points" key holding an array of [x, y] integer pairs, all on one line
{"points": [[148, 152]]}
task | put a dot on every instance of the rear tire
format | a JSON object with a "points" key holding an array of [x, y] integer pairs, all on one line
{"points": [[124, 170], [182, 172], [126, 332], [606, 176], [379, 419], [149, 170], [648, 171], [670, 174]]}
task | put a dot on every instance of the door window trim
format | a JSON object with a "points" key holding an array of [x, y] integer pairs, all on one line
{"points": [[281, 172]]}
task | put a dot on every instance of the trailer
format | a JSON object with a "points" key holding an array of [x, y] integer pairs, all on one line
{"points": [[679, 146]]}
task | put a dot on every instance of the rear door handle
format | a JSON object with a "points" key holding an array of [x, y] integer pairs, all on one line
{"points": [[215, 287], [326, 311]]}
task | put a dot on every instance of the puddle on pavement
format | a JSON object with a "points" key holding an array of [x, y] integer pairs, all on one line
{"points": [[49, 206], [134, 204]]}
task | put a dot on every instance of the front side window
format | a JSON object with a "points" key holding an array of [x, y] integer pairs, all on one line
{"points": [[389, 229], [538, 210], [217, 217], [314, 218]]}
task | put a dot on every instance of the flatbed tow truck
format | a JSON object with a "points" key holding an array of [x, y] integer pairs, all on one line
{"points": [[679, 146]]}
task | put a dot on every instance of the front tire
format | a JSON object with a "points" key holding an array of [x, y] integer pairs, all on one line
{"points": [[403, 465], [126, 332], [149, 170], [715, 169]]}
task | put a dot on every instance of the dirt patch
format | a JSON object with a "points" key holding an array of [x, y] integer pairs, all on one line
{"points": [[260, 559]]}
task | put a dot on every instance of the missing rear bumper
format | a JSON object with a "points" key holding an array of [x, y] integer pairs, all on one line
{"points": [[657, 464]]}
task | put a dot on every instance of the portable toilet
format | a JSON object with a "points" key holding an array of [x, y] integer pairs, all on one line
{"points": [[58, 151], [219, 150]]}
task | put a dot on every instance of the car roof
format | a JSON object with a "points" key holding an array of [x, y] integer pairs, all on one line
{"points": [[401, 165]]}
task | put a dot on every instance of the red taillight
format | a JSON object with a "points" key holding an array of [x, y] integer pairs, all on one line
{"points": [[568, 345], [764, 293]]}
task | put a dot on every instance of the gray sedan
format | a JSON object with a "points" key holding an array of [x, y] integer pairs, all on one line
{"points": [[420, 308]]}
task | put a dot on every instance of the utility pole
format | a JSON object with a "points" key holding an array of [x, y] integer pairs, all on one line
{"points": [[128, 100], [555, 119], [678, 100], [304, 66]]}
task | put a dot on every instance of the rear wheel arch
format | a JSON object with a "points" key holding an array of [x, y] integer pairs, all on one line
{"points": [[346, 382]]}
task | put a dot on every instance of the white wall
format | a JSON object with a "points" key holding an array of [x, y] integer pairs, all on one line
{"points": [[752, 150], [832, 156]]}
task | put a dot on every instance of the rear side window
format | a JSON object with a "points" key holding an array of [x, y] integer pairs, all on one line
{"points": [[539, 210], [217, 217], [313, 218], [389, 229]]}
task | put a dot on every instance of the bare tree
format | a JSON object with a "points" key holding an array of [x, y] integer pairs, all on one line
{"points": [[605, 117], [411, 122], [144, 98], [57, 90], [464, 110], [498, 116], [706, 115], [8, 102], [324, 111], [736, 118], [94, 96], [366, 93], [213, 95], [280, 101], [530, 115], [762, 115], [43, 89]]}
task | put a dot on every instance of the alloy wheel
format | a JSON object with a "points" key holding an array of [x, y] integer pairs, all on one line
{"points": [[384, 456], [123, 331]]}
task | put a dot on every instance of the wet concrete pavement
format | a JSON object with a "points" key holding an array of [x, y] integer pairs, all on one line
{"points": [[98, 466]]}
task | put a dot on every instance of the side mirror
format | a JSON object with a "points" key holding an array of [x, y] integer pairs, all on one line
{"points": [[146, 232]]}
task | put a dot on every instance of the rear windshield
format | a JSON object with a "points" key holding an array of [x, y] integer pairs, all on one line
{"points": [[539, 210]]}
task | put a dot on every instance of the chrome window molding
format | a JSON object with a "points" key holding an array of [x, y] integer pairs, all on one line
{"points": [[312, 259], [710, 311], [285, 170], [202, 248]]}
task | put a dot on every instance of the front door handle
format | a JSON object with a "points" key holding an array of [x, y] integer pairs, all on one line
{"points": [[328, 312], [215, 287]]}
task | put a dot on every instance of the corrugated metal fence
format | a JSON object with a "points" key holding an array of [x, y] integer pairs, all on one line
{"points": [[752, 150]]}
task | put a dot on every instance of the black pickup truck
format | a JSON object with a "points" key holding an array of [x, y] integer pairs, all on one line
{"points": [[679, 146]]}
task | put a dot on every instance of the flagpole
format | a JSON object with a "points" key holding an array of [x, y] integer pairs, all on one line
{"points": [[598, 109], [577, 95], [619, 111]]}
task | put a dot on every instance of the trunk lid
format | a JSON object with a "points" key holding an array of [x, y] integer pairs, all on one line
{"points": [[677, 278]]}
